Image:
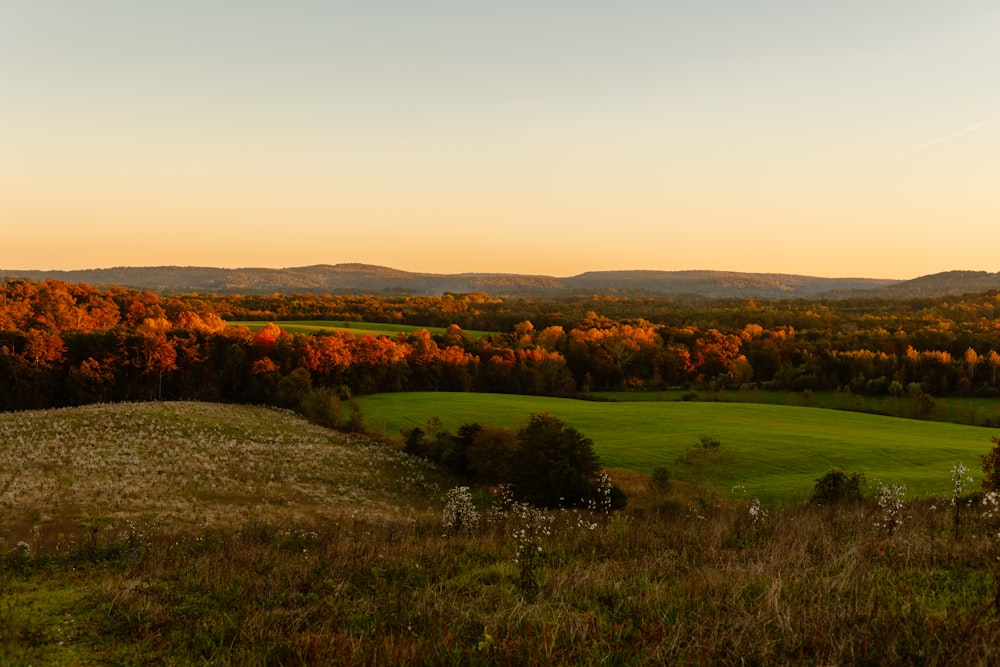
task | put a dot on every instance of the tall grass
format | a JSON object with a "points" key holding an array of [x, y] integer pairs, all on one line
{"points": [[706, 584], [332, 575]]}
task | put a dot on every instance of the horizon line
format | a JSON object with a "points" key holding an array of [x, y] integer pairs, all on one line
{"points": [[13, 271]]}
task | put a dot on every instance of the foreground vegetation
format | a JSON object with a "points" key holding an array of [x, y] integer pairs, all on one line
{"points": [[711, 586], [776, 452], [358, 559]]}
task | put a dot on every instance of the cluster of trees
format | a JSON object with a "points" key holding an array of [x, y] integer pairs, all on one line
{"points": [[546, 463], [63, 344]]}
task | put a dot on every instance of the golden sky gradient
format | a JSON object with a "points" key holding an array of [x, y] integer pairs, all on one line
{"points": [[832, 139]]}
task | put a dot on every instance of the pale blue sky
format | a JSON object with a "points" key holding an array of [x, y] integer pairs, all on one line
{"points": [[848, 138]]}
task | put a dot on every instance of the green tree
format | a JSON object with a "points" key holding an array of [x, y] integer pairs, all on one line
{"points": [[426, 441], [293, 388], [490, 454], [706, 460], [554, 465], [455, 453], [837, 486], [322, 406]]}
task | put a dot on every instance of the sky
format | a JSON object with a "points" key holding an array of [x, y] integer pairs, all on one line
{"points": [[856, 138]]}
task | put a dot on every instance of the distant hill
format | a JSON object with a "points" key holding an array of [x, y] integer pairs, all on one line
{"points": [[719, 284], [380, 280], [323, 278], [942, 284]]}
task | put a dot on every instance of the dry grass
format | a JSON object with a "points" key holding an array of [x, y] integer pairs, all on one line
{"points": [[371, 576], [191, 464], [804, 586]]}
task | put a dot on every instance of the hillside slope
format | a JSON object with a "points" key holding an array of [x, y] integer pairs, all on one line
{"points": [[192, 464], [378, 280], [942, 284]]}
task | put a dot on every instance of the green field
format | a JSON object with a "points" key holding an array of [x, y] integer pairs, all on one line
{"points": [[356, 328], [777, 451], [972, 410]]}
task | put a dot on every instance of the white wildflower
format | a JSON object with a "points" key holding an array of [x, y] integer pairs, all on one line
{"points": [[460, 513], [958, 480], [889, 498]]}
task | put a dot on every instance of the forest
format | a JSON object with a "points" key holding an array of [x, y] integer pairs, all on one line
{"points": [[67, 344]]}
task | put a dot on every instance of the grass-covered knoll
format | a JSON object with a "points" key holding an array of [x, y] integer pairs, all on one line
{"points": [[90, 496], [356, 328], [777, 452], [186, 464]]}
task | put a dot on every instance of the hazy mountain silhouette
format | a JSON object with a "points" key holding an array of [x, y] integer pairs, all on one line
{"points": [[380, 280]]}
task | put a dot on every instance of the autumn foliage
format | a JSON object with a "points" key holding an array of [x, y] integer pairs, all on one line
{"points": [[65, 344]]}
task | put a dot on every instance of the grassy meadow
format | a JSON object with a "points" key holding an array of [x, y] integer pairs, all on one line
{"points": [[971, 410], [187, 464], [777, 452], [186, 533], [356, 328]]}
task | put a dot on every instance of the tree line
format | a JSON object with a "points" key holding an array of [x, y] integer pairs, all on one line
{"points": [[67, 344]]}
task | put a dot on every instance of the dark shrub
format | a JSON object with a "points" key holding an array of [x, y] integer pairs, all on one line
{"points": [[660, 480], [837, 486], [322, 406]]}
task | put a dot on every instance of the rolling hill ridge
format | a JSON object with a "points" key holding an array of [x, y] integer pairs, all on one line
{"points": [[380, 280]]}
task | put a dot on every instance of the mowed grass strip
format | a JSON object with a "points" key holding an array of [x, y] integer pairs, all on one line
{"points": [[778, 452], [356, 328]]}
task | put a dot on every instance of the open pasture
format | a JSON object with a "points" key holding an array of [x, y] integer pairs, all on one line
{"points": [[356, 328], [777, 452], [972, 410]]}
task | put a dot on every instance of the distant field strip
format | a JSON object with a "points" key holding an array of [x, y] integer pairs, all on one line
{"points": [[973, 410], [778, 451], [356, 328]]}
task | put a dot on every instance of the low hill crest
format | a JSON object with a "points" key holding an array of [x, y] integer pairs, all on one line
{"points": [[359, 278]]}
